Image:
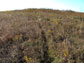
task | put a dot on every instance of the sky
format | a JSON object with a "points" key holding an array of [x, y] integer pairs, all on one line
{"points": [[75, 5]]}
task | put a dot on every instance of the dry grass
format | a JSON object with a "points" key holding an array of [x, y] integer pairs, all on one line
{"points": [[44, 35]]}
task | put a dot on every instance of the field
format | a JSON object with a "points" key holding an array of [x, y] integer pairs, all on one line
{"points": [[41, 36]]}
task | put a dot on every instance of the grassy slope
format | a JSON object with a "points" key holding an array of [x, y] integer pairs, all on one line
{"points": [[41, 36]]}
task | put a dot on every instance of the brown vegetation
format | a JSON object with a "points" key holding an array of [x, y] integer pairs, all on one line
{"points": [[41, 36]]}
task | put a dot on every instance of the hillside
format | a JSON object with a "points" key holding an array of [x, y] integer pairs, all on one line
{"points": [[41, 36]]}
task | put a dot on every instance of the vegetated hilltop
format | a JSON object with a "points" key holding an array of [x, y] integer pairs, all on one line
{"points": [[41, 36]]}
